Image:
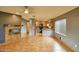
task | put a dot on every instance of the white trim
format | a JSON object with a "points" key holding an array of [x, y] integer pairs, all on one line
{"points": [[61, 34]]}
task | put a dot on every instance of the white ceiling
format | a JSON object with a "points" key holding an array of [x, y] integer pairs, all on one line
{"points": [[40, 12], [12, 9], [19, 10], [48, 12]]}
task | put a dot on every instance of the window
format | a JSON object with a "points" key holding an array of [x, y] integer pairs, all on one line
{"points": [[60, 27]]}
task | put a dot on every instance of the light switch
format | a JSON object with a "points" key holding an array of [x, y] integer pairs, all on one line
{"points": [[76, 45]]}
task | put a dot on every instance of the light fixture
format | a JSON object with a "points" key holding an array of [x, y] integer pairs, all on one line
{"points": [[48, 25], [26, 11]]}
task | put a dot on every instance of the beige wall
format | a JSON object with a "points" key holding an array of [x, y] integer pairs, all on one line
{"points": [[6, 18], [72, 28]]}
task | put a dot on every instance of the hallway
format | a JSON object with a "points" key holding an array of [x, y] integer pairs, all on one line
{"points": [[32, 44]]}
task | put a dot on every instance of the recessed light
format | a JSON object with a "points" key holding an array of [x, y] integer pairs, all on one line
{"points": [[26, 11]]}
